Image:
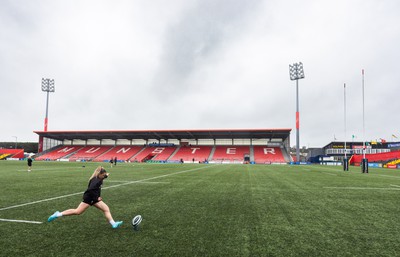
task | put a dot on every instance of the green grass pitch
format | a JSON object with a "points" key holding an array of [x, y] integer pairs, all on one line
{"points": [[201, 210]]}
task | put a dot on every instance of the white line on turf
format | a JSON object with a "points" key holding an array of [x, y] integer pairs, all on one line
{"points": [[394, 186], [66, 168], [123, 184], [385, 175], [364, 188], [161, 176], [327, 173], [144, 182], [23, 221], [44, 200]]}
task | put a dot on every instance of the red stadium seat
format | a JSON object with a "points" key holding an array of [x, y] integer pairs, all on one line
{"points": [[156, 153], [123, 153], [189, 153], [88, 153], [230, 154], [266, 154], [59, 152]]}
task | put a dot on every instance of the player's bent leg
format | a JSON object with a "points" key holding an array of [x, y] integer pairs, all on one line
{"points": [[106, 210]]}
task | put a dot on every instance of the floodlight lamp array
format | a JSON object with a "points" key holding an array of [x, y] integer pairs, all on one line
{"points": [[296, 71], [48, 85]]}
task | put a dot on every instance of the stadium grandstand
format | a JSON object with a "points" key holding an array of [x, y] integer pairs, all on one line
{"points": [[264, 146], [378, 154]]}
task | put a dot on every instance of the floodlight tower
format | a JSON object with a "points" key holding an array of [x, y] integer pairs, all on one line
{"points": [[296, 72], [364, 164], [345, 161], [49, 87]]}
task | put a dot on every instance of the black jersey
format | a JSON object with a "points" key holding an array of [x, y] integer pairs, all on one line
{"points": [[29, 162], [93, 191]]}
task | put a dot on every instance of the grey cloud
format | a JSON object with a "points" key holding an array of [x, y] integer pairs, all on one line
{"points": [[198, 34]]}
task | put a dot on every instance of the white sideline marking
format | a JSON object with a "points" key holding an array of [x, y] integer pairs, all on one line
{"points": [[23, 221], [394, 186], [364, 188], [123, 184], [386, 175], [146, 179], [327, 173], [144, 182], [323, 172], [67, 168], [44, 200]]}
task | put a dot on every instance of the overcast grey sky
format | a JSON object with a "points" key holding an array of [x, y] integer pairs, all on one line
{"points": [[200, 64]]}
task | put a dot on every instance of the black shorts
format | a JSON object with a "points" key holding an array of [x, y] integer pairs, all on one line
{"points": [[90, 199]]}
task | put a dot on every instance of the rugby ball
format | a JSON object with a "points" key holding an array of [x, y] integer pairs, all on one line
{"points": [[136, 221]]}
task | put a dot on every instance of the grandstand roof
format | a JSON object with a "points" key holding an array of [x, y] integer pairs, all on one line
{"points": [[167, 134]]}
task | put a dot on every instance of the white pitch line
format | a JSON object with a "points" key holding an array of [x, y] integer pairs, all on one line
{"points": [[394, 186], [323, 172], [123, 184], [144, 182], [40, 201], [162, 176], [386, 176], [22, 221], [327, 173], [364, 188], [40, 169]]}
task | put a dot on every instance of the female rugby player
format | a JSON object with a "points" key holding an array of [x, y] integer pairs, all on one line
{"points": [[91, 197]]}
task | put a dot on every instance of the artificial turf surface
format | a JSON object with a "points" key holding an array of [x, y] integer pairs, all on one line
{"points": [[201, 210]]}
